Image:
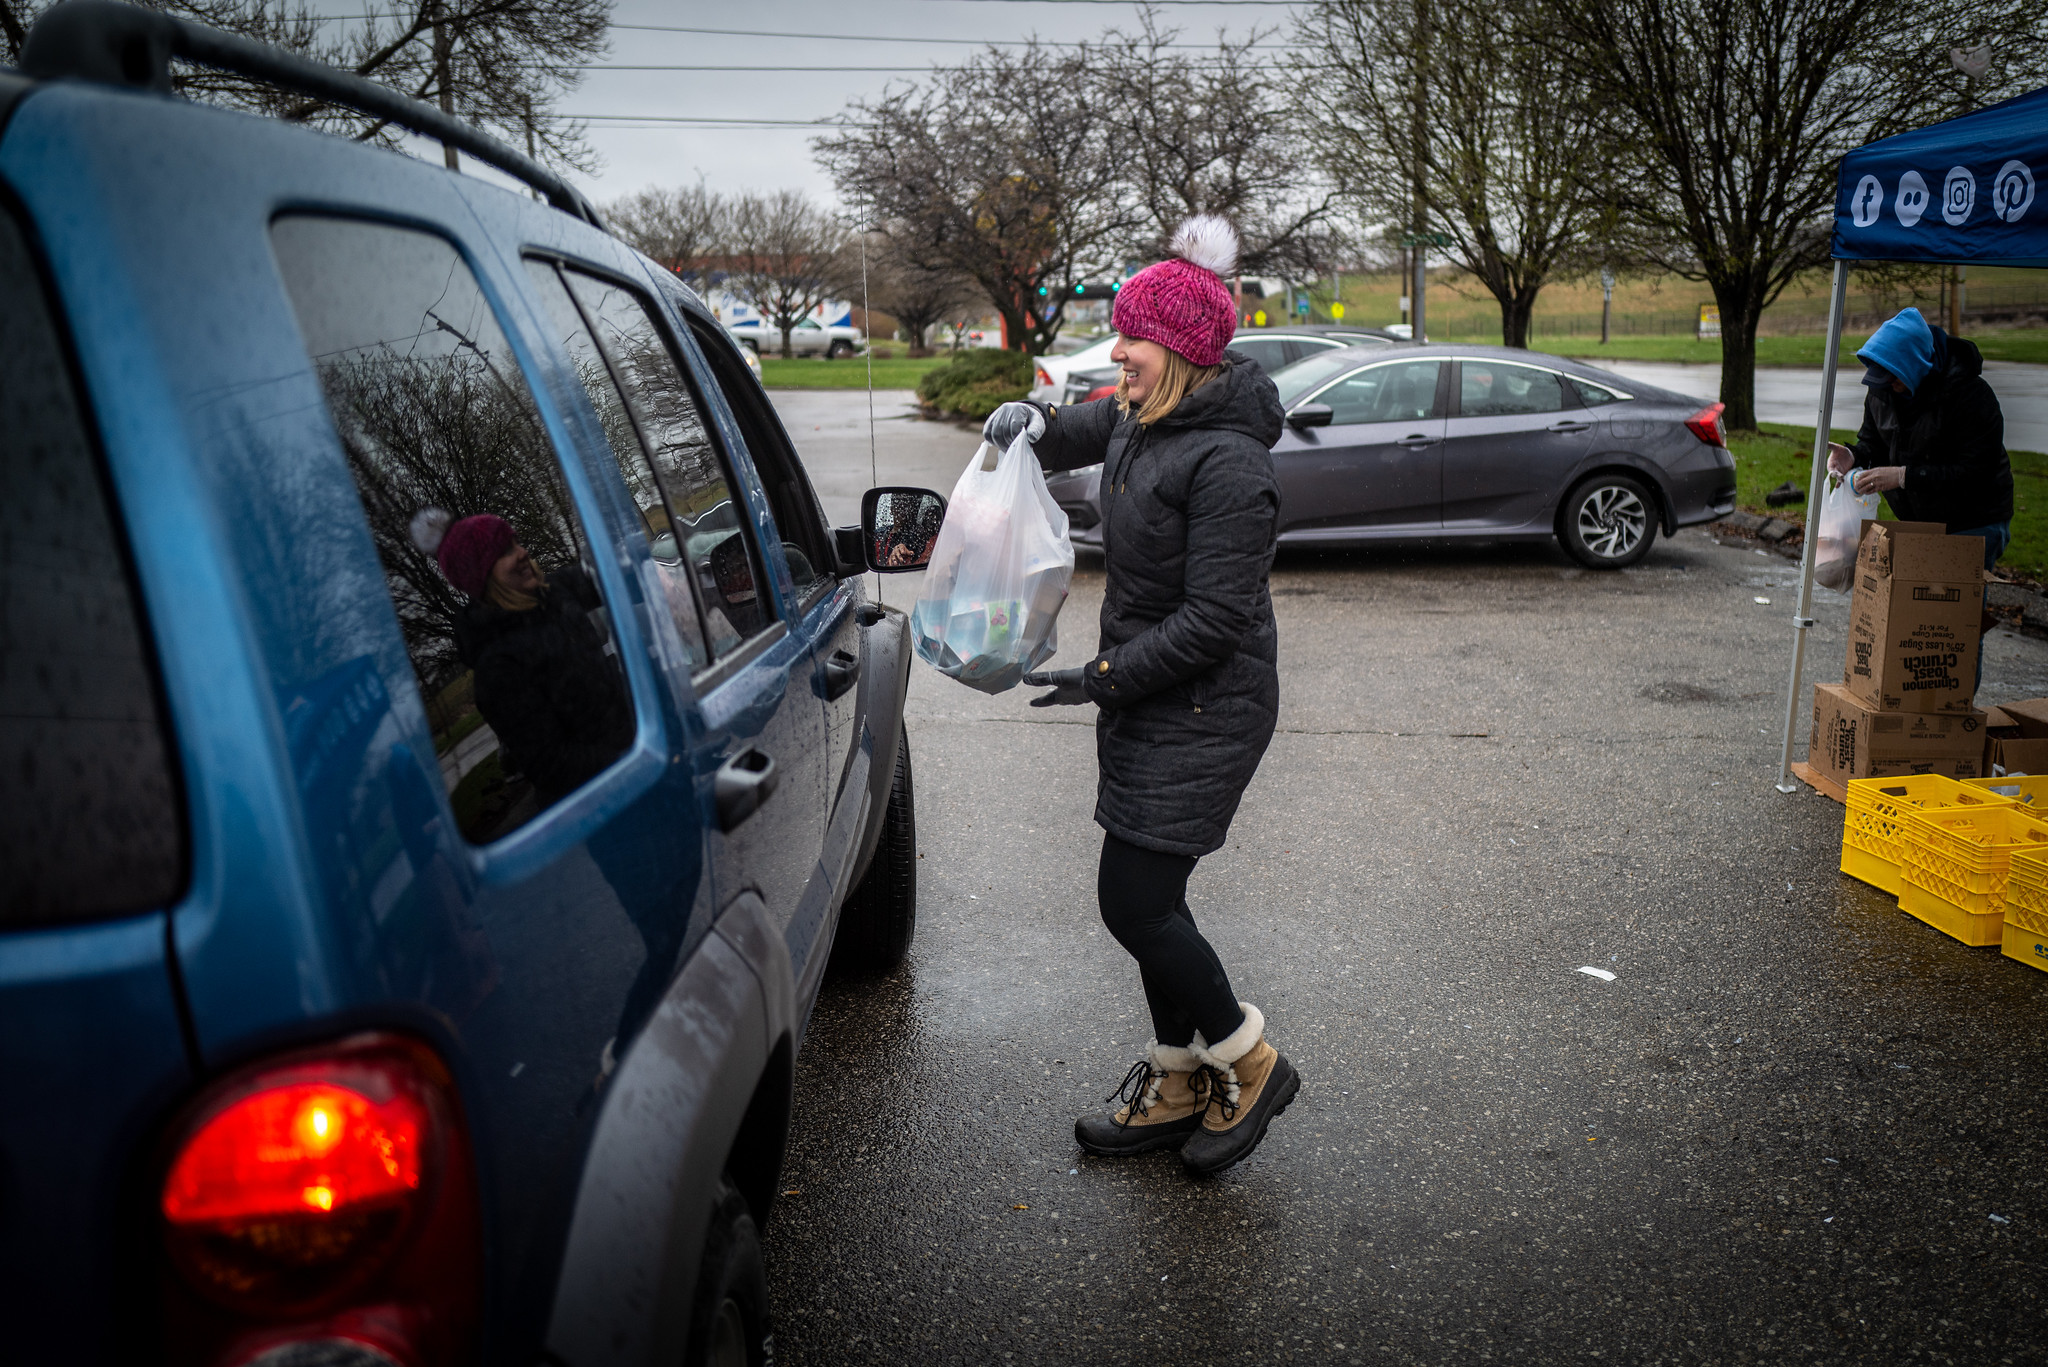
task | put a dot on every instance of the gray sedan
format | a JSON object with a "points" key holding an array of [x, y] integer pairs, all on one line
{"points": [[1467, 443]]}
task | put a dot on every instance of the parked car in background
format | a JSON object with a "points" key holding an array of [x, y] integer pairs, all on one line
{"points": [[1049, 377], [1458, 443], [745, 347], [808, 338], [1086, 374], [445, 746]]}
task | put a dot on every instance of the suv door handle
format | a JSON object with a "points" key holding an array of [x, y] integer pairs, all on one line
{"points": [[741, 785], [842, 671], [1416, 439], [1569, 426]]}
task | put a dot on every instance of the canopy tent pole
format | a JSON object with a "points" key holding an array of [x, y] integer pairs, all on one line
{"points": [[1802, 616]]}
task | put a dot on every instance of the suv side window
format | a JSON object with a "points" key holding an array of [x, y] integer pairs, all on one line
{"points": [[487, 565], [711, 525], [798, 521], [622, 428], [91, 819]]}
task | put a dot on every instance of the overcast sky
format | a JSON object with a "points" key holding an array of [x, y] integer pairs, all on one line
{"points": [[639, 152]]}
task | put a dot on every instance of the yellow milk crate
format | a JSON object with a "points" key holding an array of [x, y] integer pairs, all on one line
{"points": [[1980, 930], [2028, 790], [1957, 866], [2025, 936], [1873, 816]]}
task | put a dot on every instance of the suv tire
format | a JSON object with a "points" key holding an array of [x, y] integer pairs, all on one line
{"points": [[1608, 522], [729, 1324], [880, 917]]}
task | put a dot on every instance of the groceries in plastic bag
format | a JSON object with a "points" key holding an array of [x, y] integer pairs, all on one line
{"points": [[1843, 512], [997, 576]]}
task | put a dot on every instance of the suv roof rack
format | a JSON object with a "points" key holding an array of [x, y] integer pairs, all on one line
{"points": [[119, 44]]}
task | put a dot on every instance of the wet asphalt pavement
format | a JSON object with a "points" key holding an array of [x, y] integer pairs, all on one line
{"points": [[1798, 1125]]}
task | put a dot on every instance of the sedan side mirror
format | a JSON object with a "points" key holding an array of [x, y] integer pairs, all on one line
{"points": [[898, 527], [1311, 415]]}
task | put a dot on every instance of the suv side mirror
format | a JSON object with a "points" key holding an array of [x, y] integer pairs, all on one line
{"points": [[898, 527], [1311, 415]]}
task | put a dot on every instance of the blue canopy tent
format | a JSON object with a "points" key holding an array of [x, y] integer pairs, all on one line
{"points": [[1959, 192]]}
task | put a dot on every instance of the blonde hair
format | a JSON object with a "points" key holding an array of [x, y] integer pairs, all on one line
{"points": [[1180, 378]]}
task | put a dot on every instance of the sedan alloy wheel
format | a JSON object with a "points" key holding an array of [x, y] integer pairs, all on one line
{"points": [[1608, 523]]}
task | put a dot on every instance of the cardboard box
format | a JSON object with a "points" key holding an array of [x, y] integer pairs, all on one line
{"points": [[2000, 726], [1852, 739], [1914, 623], [2031, 717], [2019, 757]]}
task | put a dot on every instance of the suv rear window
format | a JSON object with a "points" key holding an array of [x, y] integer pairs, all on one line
{"points": [[483, 554], [91, 821]]}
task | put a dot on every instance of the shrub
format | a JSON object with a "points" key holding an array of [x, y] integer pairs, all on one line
{"points": [[976, 382]]}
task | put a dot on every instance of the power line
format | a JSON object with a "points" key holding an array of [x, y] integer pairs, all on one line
{"points": [[885, 38]]}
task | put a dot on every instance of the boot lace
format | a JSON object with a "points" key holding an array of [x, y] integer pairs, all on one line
{"points": [[1218, 1087], [1131, 1091]]}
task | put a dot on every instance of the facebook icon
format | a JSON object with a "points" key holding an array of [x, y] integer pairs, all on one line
{"points": [[1867, 201]]}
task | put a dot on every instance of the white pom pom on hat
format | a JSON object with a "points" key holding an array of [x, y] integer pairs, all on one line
{"points": [[428, 526], [1207, 241]]}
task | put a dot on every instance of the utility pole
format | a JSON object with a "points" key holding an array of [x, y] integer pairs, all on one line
{"points": [[1606, 301], [1419, 133]]}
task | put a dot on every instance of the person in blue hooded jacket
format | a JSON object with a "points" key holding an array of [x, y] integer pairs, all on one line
{"points": [[1933, 438]]}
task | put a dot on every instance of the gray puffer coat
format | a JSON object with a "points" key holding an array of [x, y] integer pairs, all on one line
{"points": [[1186, 675]]}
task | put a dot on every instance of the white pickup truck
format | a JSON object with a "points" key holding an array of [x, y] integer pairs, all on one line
{"points": [[808, 338]]}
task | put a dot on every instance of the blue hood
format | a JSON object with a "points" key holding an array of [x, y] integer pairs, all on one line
{"points": [[1903, 347]]}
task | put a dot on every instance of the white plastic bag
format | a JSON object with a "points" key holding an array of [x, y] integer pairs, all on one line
{"points": [[997, 575], [1843, 512]]}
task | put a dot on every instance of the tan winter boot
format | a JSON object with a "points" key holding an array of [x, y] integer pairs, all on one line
{"points": [[1163, 1097], [1249, 1084]]}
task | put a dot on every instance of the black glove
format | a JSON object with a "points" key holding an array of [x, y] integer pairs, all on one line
{"points": [[1069, 687], [1004, 425]]}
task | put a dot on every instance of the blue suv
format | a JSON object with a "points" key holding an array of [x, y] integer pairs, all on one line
{"points": [[441, 746]]}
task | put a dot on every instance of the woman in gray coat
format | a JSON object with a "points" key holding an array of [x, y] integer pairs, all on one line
{"points": [[1185, 680]]}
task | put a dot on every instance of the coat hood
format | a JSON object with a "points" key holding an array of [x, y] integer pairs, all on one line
{"points": [[1241, 399]]}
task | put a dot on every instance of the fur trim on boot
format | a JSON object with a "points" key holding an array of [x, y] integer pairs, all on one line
{"points": [[1249, 1084], [1164, 1100]]}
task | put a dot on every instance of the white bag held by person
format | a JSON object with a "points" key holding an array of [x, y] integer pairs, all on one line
{"points": [[1843, 512], [998, 574]]}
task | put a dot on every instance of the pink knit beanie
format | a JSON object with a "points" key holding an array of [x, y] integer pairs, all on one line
{"points": [[466, 550], [1182, 303]]}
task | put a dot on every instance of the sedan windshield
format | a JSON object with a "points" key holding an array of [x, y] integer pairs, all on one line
{"points": [[1310, 374]]}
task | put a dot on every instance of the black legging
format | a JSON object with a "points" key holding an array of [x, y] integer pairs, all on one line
{"points": [[1144, 904]]}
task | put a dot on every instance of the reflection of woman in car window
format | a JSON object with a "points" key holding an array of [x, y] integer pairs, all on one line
{"points": [[544, 682]]}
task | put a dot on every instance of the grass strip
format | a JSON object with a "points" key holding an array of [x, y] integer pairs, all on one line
{"points": [[814, 372]]}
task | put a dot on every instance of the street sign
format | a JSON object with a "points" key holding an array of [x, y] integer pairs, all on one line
{"points": [[1301, 307], [1337, 310], [1259, 318], [1710, 321], [1425, 239]]}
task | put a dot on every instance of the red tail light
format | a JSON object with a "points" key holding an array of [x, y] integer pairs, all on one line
{"points": [[323, 1197], [1101, 391], [1042, 380], [1706, 424]]}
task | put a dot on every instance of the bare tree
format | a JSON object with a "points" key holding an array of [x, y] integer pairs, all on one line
{"points": [[1730, 116], [783, 256], [916, 293], [1002, 169], [1442, 115], [502, 64], [1213, 133], [676, 227]]}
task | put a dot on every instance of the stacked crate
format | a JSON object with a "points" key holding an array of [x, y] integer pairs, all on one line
{"points": [[1956, 864], [2025, 934], [1875, 815]]}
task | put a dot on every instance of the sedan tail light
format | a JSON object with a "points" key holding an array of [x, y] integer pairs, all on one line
{"points": [[1706, 424], [1101, 391], [325, 1197], [1041, 379]]}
